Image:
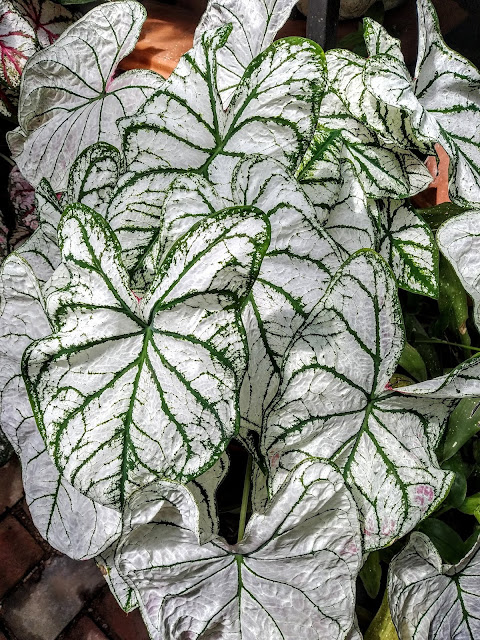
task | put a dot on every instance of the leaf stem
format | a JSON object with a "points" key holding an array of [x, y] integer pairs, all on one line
{"points": [[451, 344], [245, 498]]}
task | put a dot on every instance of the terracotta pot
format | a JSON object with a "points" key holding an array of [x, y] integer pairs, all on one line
{"points": [[168, 33], [437, 192]]}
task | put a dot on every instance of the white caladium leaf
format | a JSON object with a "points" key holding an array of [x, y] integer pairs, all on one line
{"points": [[459, 241], [431, 599], [202, 491], [69, 521], [273, 111], [335, 402], [17, 44], [292, 575], [345, 138], [41, 249], [379, 41], [167, 368], [408, 245], [69, 97], [255, 25], [48, 19], [150, 211], [441, 103], [93, 177]]}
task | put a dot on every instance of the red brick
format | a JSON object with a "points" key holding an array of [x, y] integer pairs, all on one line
{"points": [[18, 553], [11, 488], [41, 610], [125, 626], [84, 629]]}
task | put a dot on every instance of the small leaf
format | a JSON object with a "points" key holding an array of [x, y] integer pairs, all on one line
{"points": [[463, 424], [371, 574], [413, 363], [408, 245]]}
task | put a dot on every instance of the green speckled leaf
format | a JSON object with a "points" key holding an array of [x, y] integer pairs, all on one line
{"points": [[273, 112], [408, 245], [335, 402], [159, 394]]}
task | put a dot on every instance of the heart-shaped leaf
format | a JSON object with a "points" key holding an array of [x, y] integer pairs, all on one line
{"points": [[69, 521], [160, 390], [69, 96], [150, 211], [431, 599], [255, 25], [273, 111], [342, 360], [288, 576]]}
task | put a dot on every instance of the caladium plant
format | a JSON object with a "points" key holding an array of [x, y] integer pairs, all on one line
{"points": [[218, 256]]}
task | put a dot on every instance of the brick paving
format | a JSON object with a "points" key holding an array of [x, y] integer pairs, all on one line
{"points": [[45, 595]]}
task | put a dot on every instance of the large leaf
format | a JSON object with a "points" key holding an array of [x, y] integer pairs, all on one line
{"points": [[48, 19], [273, 112], [17, 44], [442, 103], [69, 521], [335, 403], [432, 599], [255, 24], [69, 96], [150, 211], [159, 393], [408, 245], [459, 241], [293, 574], [202, 490]]}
